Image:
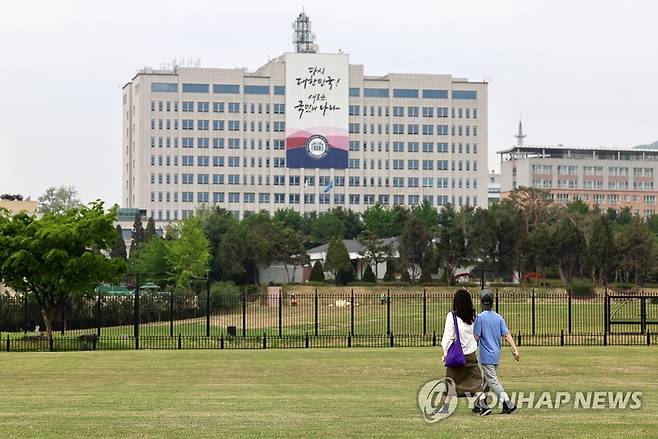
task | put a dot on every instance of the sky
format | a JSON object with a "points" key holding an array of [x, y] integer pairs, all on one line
{"points": [[577, 72]]}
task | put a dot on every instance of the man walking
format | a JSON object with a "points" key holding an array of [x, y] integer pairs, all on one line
{"points": [[488, 330]]}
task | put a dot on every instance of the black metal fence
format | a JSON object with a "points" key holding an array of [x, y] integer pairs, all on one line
{"points": [[343, 319]]}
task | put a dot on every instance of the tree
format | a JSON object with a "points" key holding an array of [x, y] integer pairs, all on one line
{"points": [[601, 253], [58, 200], [569, 246], [375, 250], [137, 235], [152, 263], [150, 230], [413, 246], [533, 203], [338, 262], [511, 235], [11, 197], [369, 275], [451, 248], [189, 252], [482, 242], [637, 247], [327, 225], [59, 256], [289, 250], [317, 273], [119, 248], [383, 222], [427, 214]]}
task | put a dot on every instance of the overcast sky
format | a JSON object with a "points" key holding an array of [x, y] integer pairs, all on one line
{"points": [[578, 72]]}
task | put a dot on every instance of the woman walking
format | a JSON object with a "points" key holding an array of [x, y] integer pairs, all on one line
{"points": [[464, 372]]}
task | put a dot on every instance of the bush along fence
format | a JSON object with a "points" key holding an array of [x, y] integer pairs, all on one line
{"points": [[229, 320]]}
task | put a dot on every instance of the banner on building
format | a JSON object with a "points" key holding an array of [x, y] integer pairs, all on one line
{"points": [[317, 93]]}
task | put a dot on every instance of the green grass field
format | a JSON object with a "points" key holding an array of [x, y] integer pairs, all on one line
{"points": [[306, 393]]}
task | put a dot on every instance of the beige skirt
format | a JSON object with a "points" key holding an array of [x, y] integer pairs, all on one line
{"points": [[467, 378]]}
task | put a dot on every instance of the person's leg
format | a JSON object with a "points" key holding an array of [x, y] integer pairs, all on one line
{"points": [[491, 378]]}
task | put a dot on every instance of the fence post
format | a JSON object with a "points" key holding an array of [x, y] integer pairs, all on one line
{"points": [[221, 341], [388, 311], [306, 340], [606, 311], [208, 305], [533, 311], [496, 299], [264, 340], [391, 339], [349, 340], [315, 306], [244, 314], [424, 312], [8, 343], [280, 313], [50, 342], [25, 328], [171, 313], [136, 316], [434, 338], [180, 341], [561, 337], [643, 313], [648, 338], [352, 311], [98, 315], [569, 310], [518, 342]]}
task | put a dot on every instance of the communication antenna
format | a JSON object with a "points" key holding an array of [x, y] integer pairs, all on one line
{"points": [[520, 136], [303, 37]]}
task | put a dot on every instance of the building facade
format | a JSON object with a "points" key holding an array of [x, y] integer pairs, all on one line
{"points": [[224, 137], [605, 177], [494, 188]]}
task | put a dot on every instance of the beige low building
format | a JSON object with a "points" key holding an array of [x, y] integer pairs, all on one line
{"points": [[605, 177], [19, 206]]}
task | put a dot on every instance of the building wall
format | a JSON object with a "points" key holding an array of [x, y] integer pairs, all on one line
{"points": [[152, 172], [608, 183]]}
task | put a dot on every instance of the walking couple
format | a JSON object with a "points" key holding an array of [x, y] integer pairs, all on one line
{"points": [[466, 329]]}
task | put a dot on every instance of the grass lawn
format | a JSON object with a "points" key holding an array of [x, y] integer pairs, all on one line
{"points": [[306, 393]]}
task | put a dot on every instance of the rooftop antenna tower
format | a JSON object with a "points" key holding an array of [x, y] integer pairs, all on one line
{"points": [[520, 136], [303, 37]]}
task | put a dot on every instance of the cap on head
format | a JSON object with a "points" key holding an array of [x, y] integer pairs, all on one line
{"points": [[486, 297]]}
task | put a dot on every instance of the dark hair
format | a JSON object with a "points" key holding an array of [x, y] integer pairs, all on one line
{"points": [[462, 305]]}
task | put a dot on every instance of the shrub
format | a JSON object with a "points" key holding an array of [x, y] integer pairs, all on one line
{"points": [[225, 296], [368, 275], [317, 274], [389, 276], [582, 289]]}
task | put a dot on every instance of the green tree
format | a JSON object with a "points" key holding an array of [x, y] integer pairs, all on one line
{"points": [[368, 275], [59, 256], [569, 246], [451, 247], [119, 248], [426, 213], [482, 243], [58, 199], [152, 263], [137, 235], [338, 262], [289, 250], [188, 251], [637, 248], [511, 234], [383, 222], [325, 226], [601, 253], [375, 250], [413, 247], [150, 230], [317, 273], [533, 204]]}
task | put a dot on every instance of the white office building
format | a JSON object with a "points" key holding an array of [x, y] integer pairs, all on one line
{"points": [[306, 130]]}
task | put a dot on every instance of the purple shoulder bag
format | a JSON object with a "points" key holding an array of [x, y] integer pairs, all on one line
{"points": [[455, 355]]}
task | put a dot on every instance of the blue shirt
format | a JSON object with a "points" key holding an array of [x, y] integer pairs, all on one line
{"points": [[490, 327]]}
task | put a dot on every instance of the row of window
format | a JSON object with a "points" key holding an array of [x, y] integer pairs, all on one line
{"points": [[218, 107], [309, 181], [171, 87], [593, 184], [603, 198], [616, 171], [217, 143], [160, 87], [281, 198], [398, 111], [414, 129], [218, 125]]}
